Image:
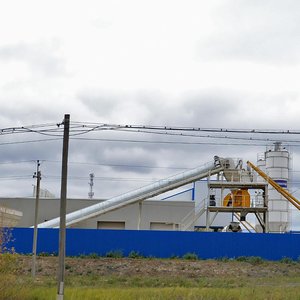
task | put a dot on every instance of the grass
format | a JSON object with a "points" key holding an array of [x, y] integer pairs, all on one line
{"points": [[15, 285], [172, 293], [120, 287]]}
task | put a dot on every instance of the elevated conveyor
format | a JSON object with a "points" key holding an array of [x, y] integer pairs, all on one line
{"points": [[154, 189]]}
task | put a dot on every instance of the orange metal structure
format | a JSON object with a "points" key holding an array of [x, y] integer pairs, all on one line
{"points": [[237, 198]]}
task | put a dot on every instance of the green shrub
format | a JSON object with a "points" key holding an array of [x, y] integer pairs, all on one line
{"points": [[93, 255], [223, 259], [115, 254], [135, 254], [286, 260], [190, 256], [242, 258], [255, 260]]}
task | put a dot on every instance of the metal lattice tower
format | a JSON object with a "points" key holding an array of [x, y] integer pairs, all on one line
{"points": [[91, 184]]}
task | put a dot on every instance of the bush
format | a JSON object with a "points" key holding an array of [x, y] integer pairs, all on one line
{"points": [[174, 257], [242, 258], [46, 254], [135, 254], [286, 260], [190, 256], [115, 254], [93, 255], [5, 238], [223, 259], [255, 260]]}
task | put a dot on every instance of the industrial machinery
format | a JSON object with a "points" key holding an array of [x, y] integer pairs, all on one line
{"points": [[159, 187], [237, 198], [232, 227], [288, 196], [236, 203], [231, 192]]}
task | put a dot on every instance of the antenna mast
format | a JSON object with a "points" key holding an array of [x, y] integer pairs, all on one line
{"points": [[91, 184]]}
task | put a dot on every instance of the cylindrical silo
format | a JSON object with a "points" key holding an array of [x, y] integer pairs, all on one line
{"points": [[277, 161]]}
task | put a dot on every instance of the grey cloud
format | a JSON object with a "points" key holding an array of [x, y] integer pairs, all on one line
{"points": [[12, 114], [266, 31], [41, 57], [205, 108], [100, 102], [148, 107], [209, 108]]}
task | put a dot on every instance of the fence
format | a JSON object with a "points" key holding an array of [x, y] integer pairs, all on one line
{"points": [[160, 243]]}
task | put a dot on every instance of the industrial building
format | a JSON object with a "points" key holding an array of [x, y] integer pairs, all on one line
{"points": [[257, 199]]}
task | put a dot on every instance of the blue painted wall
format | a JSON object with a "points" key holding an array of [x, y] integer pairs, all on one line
{"points": [[161, 243]]}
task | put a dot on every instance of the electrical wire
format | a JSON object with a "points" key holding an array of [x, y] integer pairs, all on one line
{"points": [[117, 165], [30, 141], [86, 127], [176, 128]]}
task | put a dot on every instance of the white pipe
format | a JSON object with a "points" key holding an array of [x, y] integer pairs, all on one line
{"points": [[140, 194]]}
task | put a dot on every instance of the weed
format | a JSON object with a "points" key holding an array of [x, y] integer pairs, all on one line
{"points": [[190, 256], [5, 238], [286, 260], [242, 258], [135, 254], [223, 259], [255, 260], [93, 255], [46, 254], [8, 263], [115, 254]]}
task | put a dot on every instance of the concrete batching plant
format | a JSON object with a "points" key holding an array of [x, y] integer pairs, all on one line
{"points": [[233, 194]]}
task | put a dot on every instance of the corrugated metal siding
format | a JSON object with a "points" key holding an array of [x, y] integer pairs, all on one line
{"points": [[161, 243]]}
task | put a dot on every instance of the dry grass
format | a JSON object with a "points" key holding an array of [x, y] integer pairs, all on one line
{"points": [[123, 278]]}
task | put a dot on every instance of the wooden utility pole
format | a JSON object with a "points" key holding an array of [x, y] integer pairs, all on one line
{"points": [[63, 205], [36, 175]]}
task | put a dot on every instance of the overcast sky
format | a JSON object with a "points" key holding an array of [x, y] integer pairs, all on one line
{"points": [[213, 64]]}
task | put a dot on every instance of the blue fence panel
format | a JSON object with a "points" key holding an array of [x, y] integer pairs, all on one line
{"points": [[160, 243]]}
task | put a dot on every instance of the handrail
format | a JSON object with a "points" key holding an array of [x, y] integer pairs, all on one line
{"points": [[194, 215], [276, 186]]}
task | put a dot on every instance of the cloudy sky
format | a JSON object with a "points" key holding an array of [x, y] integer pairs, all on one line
{"points": [[209, 64]]}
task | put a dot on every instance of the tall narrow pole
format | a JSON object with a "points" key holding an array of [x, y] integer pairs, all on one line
{"points": [[63, 205], [36, 175]]}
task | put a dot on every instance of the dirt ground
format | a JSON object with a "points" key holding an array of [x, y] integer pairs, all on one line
{"points": [[159, 267]]}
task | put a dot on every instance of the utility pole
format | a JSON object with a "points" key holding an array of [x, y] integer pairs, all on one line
{"points": [[36, 175], [63, 206]]}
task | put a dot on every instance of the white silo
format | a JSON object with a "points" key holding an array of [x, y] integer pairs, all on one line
{"points": [[277, 161]]}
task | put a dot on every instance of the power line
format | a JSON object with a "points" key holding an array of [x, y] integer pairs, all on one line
{"points": [[30, 141], [16, 177], [16, 162], [184, 143], [54, 177], [117, 165], [85, 127], [250, 141], [176, 128]]}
